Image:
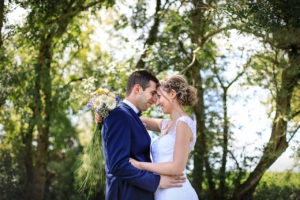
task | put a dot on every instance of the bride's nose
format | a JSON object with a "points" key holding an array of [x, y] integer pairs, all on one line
{"points": [[157, 102]]}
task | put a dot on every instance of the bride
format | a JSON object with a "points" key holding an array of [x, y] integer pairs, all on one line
{"points": [[171, 150]]}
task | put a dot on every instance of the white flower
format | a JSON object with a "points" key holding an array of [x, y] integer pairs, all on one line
{"points": [[112, 95], [111, 103], [97, 102], [103, 98], [106, 91]]}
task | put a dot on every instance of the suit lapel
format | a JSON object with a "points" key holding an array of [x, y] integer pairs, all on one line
{"points": [[124, 105]]}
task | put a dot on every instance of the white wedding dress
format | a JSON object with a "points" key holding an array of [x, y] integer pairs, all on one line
{"points": [[162, 149]]}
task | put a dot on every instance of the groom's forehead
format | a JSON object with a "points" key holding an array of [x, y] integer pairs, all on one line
{"points": [[152, 87]]}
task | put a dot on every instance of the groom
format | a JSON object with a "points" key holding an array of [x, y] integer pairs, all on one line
{"points": [[125, 136]]}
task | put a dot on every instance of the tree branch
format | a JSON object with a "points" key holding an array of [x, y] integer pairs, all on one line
{"points": [[237, 180], [294, 114], [1, 20], [293, 134], [266, 38], [73, 13], [219, 79], [74, 80], [193, 61], [212, 33], [240, 74], [181, 46], [235, 79], [235, 160], [154, 29], [152, 37], [273, 71]]}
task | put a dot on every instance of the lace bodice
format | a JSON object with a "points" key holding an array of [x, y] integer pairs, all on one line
{"points": [[162, 148]]}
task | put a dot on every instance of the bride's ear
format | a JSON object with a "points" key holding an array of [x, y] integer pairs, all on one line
{"points": [[173, 93]]}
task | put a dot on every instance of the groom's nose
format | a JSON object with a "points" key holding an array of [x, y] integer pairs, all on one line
{"points": [[154, 99], [157, 102]]}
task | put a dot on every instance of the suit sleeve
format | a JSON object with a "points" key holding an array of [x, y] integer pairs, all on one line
{"points": [[117, 142]]}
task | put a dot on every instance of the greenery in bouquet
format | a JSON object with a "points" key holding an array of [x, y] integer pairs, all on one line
{"points": [[91, 168]]}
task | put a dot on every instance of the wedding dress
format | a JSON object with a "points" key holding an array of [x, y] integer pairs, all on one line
{"points": [[162, 149]]}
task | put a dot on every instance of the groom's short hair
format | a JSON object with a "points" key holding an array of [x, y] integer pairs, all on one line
{"points": [[141, 77]]}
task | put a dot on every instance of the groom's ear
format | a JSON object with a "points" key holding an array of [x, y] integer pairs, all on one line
{"points": [[136, 88]]}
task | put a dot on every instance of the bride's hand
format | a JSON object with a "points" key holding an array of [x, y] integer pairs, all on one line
{"points": [[135, 163]]}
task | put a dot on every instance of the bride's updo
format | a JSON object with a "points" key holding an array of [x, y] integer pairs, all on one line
{"points": [[185, 93]]}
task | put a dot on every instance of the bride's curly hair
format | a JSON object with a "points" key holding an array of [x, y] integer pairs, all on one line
{"points": [[185, 93]]}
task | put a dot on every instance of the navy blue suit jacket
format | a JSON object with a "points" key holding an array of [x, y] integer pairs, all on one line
{"points": [[124, 136]]}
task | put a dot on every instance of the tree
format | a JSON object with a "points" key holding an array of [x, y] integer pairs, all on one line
{"points": [[185, 45], [45, 30], [1, 20], [184, 42], [47, 62], [277, 24]]}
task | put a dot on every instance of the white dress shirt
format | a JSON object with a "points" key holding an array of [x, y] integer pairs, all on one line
{"points": [[133, 108], [131, 105]]}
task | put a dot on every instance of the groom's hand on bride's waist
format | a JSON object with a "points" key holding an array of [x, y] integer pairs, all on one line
{"points": [[171, 181]]}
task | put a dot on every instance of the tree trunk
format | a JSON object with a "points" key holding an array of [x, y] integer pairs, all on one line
{"points": [[222, 189], [2, 55], [201, 158], [199, 109], [200, 145], [152, 36], [43, 89], [27, 142], [43, 110], [277, 143], [1, 21]]}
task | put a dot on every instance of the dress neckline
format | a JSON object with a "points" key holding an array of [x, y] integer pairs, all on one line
{"points": [[174, 128]]}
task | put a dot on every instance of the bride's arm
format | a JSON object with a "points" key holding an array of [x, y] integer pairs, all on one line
{"points": [[180, 155], [152, 123]]}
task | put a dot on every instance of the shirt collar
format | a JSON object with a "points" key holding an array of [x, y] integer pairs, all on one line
{"points": [[131, 105]]}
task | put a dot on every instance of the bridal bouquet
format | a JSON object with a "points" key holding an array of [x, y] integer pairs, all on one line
{"points": [[91, 170], [103, 101]]}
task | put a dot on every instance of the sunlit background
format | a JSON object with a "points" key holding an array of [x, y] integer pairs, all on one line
{"points": [[116, 50]]}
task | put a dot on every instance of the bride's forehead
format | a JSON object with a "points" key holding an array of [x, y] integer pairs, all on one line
{"points": [[159, 90]]}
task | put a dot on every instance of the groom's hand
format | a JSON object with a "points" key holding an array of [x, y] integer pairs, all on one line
{"points": [[98, 119], [171, 181]]}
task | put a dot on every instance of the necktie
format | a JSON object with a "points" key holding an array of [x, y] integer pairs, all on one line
{"points": [[139, 113]]}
